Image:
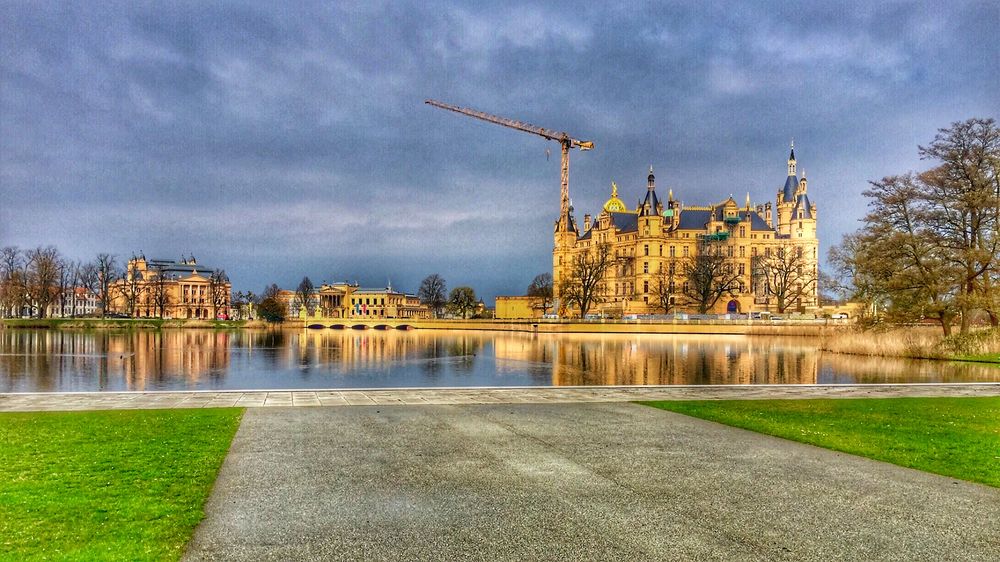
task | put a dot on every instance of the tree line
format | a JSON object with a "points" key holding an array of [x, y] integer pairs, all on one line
{"points": [[929, 247], [460, 301], [36, 280]]}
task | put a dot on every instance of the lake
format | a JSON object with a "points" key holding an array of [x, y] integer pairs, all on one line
{"points": [[61, 361]]}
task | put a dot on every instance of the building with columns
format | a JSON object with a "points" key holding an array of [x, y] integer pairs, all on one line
{"points": [[766, 254], [170, 289]]}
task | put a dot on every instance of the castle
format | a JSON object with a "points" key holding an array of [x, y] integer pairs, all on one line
{"points": [[665, 257]]}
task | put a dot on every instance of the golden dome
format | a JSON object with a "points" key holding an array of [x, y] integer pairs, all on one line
{"points": [[614, 205]]}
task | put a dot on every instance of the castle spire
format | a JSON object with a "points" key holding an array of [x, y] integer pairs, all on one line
{"points": [[651, 179], [791, 160]]}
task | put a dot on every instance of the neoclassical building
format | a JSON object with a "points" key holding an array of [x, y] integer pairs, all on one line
{"points": [[655, 245], [346, 300], [170, 289]]}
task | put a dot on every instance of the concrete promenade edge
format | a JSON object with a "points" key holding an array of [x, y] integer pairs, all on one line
{"points": [[609, 481], [60, 401]]}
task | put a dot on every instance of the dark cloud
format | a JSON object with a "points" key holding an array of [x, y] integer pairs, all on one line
{"points": [[279, 142]]}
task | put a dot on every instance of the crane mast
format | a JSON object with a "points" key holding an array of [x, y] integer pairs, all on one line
{"points": [[565, 141]]}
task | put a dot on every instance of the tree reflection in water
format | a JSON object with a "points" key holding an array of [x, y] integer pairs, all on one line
{"points": [[53, 360]]}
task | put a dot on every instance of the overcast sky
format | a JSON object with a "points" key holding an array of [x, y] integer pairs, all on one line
{"points": [[279, 142]]}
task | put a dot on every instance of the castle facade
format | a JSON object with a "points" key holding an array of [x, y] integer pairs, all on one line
{"points": [[665, 257]]}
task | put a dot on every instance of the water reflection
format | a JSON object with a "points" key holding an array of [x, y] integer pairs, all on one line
{"points": [[40, 360]]}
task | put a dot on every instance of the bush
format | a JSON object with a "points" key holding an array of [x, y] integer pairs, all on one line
{"points": [[973, 343], [271, 309]]}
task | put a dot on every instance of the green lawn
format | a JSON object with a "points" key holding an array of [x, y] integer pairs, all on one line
{"points": [[957, 437], [118, 485]]}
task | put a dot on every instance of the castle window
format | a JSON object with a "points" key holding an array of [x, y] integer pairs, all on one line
{"points": [[743, 251], [743, 232], [661, 249], [753, 251], [686, 286], [645, 267], [673, 251], [742, 269], [685, 251], [671, 289], [645, 249], [673, 269], [729, 251], [645, 286]]}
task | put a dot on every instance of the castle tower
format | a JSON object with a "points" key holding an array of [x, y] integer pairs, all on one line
{"points": [[651, 205], [803, 214], [785, 199], [564, 244]]}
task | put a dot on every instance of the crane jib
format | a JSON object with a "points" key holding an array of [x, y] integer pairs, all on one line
{"points": [[560, 137]]}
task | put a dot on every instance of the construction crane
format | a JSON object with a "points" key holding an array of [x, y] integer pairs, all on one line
{"points": [[567, 142]]}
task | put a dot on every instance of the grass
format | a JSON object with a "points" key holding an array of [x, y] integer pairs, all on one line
{"points": [[957, 437], [110, 485]]}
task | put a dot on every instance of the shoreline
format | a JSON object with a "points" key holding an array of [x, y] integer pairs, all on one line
{"points": [[914, 342], [811, 328]]}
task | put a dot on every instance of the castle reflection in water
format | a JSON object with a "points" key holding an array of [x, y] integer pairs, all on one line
{"points": [[52, 360]]}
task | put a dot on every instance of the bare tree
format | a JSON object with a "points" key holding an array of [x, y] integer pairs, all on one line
{"points": [[664, 288], [541, 288], [67, 287], [583, 285], [432, 293], [131, 288], [710, 275], [239, 303], [788, 277], [159, 291], [218, 287], [13, 289], [105, 273], [43, 265], [304, 295]]}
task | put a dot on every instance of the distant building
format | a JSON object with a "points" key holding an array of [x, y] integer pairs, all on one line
{"points": [[80, 302], [346, 300], [651, 243], [75, 302], [171, 289], [520, 307]]}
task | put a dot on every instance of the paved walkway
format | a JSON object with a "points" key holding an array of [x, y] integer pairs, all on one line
{"points": [[569, 482], [21, 402]]}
